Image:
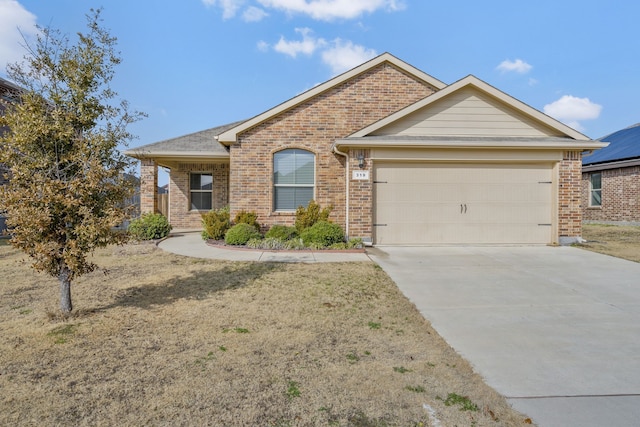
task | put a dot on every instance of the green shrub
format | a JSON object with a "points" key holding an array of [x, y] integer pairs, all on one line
{"points": [[322, 234], [244, 217], [149, 226], [268, 243], [282, 232], [306, 217], [240, 234], [216, 223], [294, 244]]}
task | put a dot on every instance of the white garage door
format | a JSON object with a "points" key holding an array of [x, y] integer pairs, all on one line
{"points": [[426, 203]]}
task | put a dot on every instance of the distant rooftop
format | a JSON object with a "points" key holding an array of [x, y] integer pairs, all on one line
{"points": [[623, 145]]}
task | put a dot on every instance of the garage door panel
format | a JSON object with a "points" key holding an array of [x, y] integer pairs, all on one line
{"points": [[426, 203]]}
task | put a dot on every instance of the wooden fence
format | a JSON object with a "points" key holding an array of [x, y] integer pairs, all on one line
{"points": [[163, 204]]}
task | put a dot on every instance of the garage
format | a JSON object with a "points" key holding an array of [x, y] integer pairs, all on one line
{"points": [[418, 203]]}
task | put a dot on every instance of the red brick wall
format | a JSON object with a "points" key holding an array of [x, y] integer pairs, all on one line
{"points": [[148, 186], [620, 196], [181, 217], [314, 126], [360, 196], [569, 197]]}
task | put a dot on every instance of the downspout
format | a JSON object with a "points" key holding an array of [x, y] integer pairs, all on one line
{"points": [[346, 157]]}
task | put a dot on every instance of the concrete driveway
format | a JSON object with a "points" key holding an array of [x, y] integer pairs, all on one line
{"points": [[554, 329]]}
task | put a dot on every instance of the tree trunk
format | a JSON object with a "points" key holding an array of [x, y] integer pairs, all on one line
{"points": [[65, 290]]}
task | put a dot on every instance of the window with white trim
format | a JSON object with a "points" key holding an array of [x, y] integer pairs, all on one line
{"points": [[201, 191], [595, 184], [293, 179]]}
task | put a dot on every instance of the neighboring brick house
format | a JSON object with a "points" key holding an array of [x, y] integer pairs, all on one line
{"points": [[402, 157], [611, 180], [8, 94]]}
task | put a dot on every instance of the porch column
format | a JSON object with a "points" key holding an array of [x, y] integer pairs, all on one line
{"points": [[148, 186]]}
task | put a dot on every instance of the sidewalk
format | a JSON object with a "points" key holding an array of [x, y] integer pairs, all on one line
{"points": [[191, 244]]}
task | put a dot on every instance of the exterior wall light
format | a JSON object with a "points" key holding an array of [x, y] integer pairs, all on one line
{"points": [[361, 161]]}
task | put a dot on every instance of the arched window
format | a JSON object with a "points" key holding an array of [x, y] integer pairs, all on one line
{"points": [[293, 179]]}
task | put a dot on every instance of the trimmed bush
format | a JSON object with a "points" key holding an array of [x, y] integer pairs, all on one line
{"points": [[282, 232], [306, 217], [216, 223], [244, 217], [269, 243], [240, 234], [322, 234], [149, 227]]}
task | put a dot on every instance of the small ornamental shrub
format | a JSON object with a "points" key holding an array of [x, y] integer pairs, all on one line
{"points": [[294, 244], [244, 217], [240, 234], [306, 217], [149, 226], [322, 234], [216, 223], [268, 243], [282, 232]]}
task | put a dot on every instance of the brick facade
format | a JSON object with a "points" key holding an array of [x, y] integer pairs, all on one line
{"points": [[569, 198], [148, 186], [314, 126], [181, 216], [620, 196]]}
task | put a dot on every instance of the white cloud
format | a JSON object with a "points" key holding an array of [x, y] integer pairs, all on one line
{"points": [[254, 14], [229, 7], [329, 10], [344, 55], [263, 46], [307, 45], [518, 66], [14, 20], [572, 110]]}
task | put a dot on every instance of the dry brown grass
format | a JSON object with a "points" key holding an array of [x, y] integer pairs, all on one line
{"points": [[615, 240], [169, 340]]}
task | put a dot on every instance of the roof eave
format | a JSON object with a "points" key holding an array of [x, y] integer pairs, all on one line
{"points": [[617, 164], [530, 144], [140, 154]]}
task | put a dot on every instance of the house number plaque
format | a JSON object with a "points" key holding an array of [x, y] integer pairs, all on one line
{"points": [[361, 175]]}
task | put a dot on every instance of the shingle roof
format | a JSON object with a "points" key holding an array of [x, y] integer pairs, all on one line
{"points": [[204, 142], [623, 145]]}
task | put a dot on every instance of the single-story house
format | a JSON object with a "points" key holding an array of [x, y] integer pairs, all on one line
{"points": [[403, 158], [611, 179]]}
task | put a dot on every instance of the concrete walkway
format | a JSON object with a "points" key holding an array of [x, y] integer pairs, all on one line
{"points": [[554, 329], [191, 244]]}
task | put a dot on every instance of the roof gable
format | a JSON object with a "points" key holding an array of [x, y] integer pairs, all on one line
{"points": [[470, 108], [231, 135]]}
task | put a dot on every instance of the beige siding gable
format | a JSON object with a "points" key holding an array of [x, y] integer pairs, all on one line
{"points": [[468, 112]]}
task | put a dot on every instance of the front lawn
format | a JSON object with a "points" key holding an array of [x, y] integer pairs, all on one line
{"points": [[622, 241], [160, 339]]}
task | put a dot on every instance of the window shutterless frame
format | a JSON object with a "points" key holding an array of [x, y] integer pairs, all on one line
{"points": [[200, 191], [595, 189], [293, 179]]}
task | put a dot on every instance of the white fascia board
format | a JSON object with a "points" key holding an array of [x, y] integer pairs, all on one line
{"points": [[529, 144], [139, 154], [230, 136]]}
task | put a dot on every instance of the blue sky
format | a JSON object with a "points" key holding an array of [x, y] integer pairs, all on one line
{"points": [[195, 64]]}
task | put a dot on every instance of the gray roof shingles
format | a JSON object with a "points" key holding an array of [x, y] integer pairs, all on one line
{"points": [[203, 141]]}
